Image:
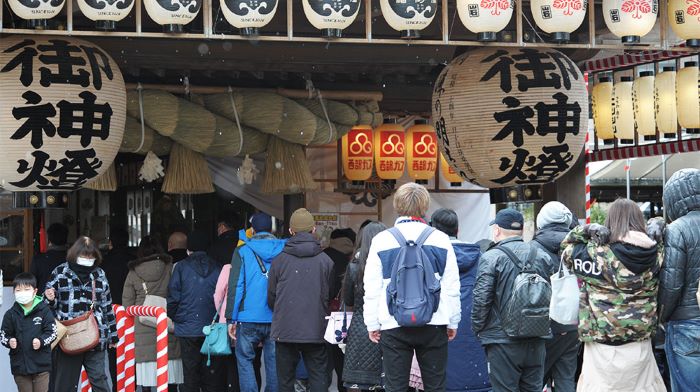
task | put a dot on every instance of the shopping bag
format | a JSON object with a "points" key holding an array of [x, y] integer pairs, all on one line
{"points": [[563, 308], [337, 327]]}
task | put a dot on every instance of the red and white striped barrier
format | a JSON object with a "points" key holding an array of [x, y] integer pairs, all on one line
{"points": [[631, 59], [161, 346], [588, 170], [84, 382], [648, 150]]}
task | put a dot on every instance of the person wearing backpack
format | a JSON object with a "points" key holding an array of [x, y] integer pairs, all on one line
{"points": [[412, 294], [510, 314]]}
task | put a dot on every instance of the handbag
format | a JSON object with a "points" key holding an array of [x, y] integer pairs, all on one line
{"points": [[337, 327], [82, 332], [564, 305], [154, 300], [216, 337]]}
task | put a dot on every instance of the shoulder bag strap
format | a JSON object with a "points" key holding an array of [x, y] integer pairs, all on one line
{"points": [[512, 256], [94, 298], [218, 310], [145, 288], [263, 269]]}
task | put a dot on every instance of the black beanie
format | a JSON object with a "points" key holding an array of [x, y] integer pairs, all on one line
{"points": [[197, 241]]}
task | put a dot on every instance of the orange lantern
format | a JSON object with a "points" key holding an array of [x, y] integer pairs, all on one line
{"points": [[357, 148], [421, 153], [389, 139], [448, 173]]}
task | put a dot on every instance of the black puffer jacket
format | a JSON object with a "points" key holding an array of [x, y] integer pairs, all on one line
{"points": [[681, 269]]}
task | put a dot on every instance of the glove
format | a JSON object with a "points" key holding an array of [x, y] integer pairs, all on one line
{"points": [[597, 233], [655, 229]]}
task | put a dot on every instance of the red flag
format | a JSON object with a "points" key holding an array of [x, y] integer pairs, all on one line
{"points": [[43, 242]]}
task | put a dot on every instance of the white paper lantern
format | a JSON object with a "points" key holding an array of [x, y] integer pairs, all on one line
{"points": [[630, 19], [511, 116], [623, 110], [62, 112], [602, 104], [409, 16], [106, 13], [249, 15], [684, 18], [331, 16], [37, 12], [173, 14], [643, 102], [485, 17], [665, 97], [688, 97], [559, 18]]}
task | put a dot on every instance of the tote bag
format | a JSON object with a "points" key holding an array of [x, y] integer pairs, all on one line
{"points": [[563, 307], [216, 337], [154, 300], [337, 327]]}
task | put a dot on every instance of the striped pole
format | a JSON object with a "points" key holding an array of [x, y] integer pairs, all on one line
{"points": [[588, 171], [84, 381], [120, 313], [129, 353], [161, 343]]}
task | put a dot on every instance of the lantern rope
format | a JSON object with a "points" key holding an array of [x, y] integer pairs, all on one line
{"points": [[238, 120], [139, 88]]}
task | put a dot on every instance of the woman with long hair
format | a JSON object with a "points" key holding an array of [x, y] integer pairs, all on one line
{"points": [[618, 266], [362, 369]]}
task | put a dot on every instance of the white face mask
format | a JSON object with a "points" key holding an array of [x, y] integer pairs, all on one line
{"points": [[85, 262], [24, 297]]}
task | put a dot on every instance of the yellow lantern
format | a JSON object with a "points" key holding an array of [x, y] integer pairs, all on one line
{"points": [[357, 152], [421, 151], [331, 16], [449, 173], [249, 15], [559, 18], [409, 16], [623, 110], [37, 13], [643, 101], [602, 103], [684, 18], [173, 14], [688, 97], [485, 17], [389, 150], [630, 19], [665, 97], [106, 14]]}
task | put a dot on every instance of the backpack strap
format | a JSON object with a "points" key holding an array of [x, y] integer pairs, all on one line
{"points": [[419, 241], [399, 237], [424, 235], [530, 257]]}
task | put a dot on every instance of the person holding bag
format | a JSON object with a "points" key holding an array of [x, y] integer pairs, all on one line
{"points": [[148, 279], [79, 295]]}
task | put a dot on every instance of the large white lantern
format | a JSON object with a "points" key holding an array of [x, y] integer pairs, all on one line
{"points": [[623, 110], [485, 17], [409, 16], [602, 104], [665, 97], [688, 97], [630, 19], [173, 14], [36, 12], [106, 13], [559, 18], [249, 15], [62, 112], [510, 116], [643, 102], [684, 18], [331, 16]]}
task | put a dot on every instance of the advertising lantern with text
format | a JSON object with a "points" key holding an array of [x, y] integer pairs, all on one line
{"points": [[684, 18], [448, 173], [511, 116], [665, 101], [602, 105], [485, 17], [389, 150], [106, 13], [331, 16], [62, 113], [643, 101], [249, 15], [173, 14], [35, 11], [421, 151], [559, 18], [688, 97], [630, 19], [358, 153], [409, 16], [623, 110]]}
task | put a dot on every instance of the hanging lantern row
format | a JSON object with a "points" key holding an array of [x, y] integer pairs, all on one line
{"points": [[646, 104]]}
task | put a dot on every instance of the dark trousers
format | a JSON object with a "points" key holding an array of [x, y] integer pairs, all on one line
{"points": [[430, 346], [112, 357], [335, 363], [516, 367], [315, 358], [197, 374], [68, 371], [561, 360]]}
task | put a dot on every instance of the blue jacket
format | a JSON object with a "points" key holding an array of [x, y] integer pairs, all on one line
{"points": [[190, 293], [466, 360], [249, 302]]}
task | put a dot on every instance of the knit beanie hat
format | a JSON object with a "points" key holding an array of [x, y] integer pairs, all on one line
{"points": [[197, 241], [302, 221], [261, 222], [554, 213]]}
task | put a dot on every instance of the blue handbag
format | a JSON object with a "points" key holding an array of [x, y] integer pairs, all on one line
{"points": [[216, 337]]}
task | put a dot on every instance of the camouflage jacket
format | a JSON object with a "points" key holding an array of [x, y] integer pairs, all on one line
{"points": [[618, 286]]}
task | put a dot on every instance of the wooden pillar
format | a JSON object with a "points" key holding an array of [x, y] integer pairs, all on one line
{"points": [[291, 204], [570, 190]]}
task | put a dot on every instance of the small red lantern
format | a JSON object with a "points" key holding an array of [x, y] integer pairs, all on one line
{"points": [[448, 173], [422, 151], [390, 146], [357, 151]]}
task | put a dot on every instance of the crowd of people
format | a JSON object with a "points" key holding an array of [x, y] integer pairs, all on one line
{"points": [[428, 310]]}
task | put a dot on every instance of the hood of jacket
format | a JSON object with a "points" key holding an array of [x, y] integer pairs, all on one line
{"points": [[303, 245], [201, 263], [636, 251], [266, 245], [37, 304], [467, 255], [343, 245], [682, 193], [551, 237], [151, 268]]}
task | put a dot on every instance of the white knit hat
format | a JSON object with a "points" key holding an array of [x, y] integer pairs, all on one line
{"points": [[554, 213]]}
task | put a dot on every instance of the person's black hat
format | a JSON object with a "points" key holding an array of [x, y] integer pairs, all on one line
{"points": [[261, 222], [509, 219], [197, 241], [344, 233]]}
